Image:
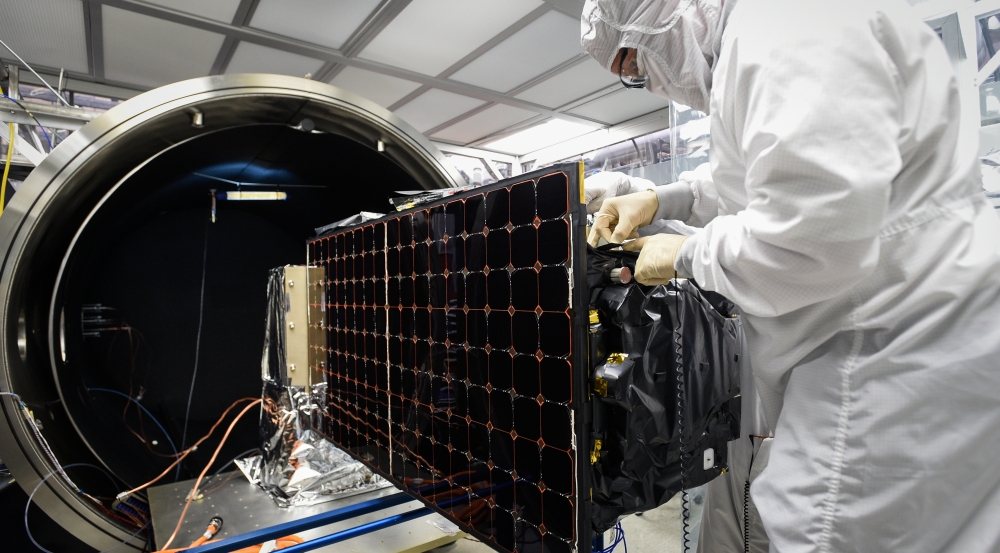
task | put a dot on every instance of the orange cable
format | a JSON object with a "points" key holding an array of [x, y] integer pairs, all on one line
{"points": [[192, 448], [194, 491], [281, 543]]}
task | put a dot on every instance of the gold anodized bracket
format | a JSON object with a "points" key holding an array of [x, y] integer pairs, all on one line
{"points": [[595, 453]]}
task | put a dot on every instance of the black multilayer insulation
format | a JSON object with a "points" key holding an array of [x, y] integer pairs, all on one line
{"points": [[666, 362]]}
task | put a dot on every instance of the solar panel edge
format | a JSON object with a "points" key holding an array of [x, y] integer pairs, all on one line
{"points": [[577, 354], [580, 303]]}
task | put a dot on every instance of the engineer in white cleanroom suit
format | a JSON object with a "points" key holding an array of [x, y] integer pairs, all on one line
{"points": [[846, 218]]}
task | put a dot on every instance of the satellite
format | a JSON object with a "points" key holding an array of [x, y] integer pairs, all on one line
{"points": [[481, 357]]}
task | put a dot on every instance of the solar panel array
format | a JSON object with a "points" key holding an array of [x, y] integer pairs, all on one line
{"points": [[451, 355]]}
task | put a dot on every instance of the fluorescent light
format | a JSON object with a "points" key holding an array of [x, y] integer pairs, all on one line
{"points": [[281, 196], [551, 132]]}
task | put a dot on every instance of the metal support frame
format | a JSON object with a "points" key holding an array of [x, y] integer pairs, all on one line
{"points": [[33, 155], [57, 117], [332, 517]]}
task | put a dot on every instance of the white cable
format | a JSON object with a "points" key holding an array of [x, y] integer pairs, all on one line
{"points": [[197, 344], [11, 50], [46, 477], [44, 445]]}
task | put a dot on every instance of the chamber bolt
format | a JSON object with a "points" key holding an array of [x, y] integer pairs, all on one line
{"points": [[197, 119]]}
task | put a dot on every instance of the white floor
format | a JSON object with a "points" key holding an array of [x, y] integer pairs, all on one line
{"points": [[657, 531]]}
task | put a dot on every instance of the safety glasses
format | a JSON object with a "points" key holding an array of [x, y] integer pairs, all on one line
{"points": [[639, 81]]}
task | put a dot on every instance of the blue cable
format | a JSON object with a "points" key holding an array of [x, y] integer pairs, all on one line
{"points": [[177, 474], [31, 496], [47, 139], [617, 537]]}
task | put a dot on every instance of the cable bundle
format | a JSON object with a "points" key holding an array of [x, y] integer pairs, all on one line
{"points": [[618, 536]]}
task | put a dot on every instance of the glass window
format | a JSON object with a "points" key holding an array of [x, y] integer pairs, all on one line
{"points": [[660, 156], [97, 103], [504, 168], [39, 94], [474, 170], [987, 44]]}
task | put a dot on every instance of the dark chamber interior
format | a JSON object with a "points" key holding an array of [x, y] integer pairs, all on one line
{"points": [[150, 252]]}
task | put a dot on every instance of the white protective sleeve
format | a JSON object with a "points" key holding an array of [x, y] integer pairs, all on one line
{"points": [[692, 200], [816, 136]]}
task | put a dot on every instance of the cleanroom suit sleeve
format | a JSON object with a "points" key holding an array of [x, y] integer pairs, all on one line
{"points": [[692, 199], [815, 131]]}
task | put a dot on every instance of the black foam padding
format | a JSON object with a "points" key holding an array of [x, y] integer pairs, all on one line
{"points": [[453, 339]]}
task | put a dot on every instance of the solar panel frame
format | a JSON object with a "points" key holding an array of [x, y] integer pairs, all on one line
{"points": [[361, 398]]}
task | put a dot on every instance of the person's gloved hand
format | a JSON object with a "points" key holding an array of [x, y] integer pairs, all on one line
{"points": [[603, 186], [657, 254], [619, 217]]}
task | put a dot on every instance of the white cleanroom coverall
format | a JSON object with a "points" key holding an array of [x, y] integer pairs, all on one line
{"points": [[853, 233]]}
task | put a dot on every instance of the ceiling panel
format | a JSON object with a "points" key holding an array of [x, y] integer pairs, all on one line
{"points": [[548, 133], [576, 82], [324, 22], [621, 105], [381, 89], [45, 32], [484, 123], [542, 45], [152, 52], [434, 107], [220, 10], [431, 35], [254, 58]]}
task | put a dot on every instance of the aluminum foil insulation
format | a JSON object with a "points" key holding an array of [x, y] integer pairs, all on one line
{"points": [[298, 466]]}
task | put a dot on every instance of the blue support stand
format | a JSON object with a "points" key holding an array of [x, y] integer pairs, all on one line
{"points": [[598, 544], [339, 515]]}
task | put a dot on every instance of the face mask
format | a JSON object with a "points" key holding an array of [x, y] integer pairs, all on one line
{"points": [[660, 80]]}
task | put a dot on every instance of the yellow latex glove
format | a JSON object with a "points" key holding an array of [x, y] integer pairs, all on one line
{"points": [[657, 254], [620, 217]]}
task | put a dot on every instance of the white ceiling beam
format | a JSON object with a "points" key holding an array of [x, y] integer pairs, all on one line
{"points": [[572, 8], [474, 152], [515, 128], [374, 24], [94, 32], [572, 62], [329, 54], [483, 48], [84, 82], [242, 17], [452, 121], [633, 128], [517, 90]]}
